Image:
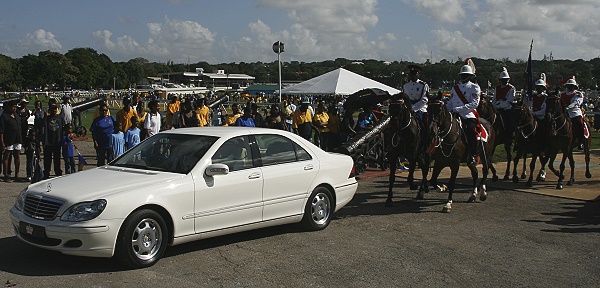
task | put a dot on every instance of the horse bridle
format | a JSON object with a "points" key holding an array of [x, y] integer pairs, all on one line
{"points": [[439, 136], [553, 119], [531, 122], [399, 102]]}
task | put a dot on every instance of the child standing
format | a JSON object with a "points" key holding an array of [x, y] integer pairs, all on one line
{"points": [[132, 135], [68, 151], [32, 149], [117, 141]]}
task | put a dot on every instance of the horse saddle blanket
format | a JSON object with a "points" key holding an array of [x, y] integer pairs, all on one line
{"points": [[586, 129], [481, 132]]}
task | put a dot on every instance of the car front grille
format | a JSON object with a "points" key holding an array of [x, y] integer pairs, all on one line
{"points": [[42, 207]]}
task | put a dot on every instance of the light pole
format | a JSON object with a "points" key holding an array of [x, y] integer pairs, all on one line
{"points": [[278, 48]]}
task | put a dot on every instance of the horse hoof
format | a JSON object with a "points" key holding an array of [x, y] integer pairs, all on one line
{"points": [[588, 175], [420, 196], [506, 177], [529, 184], [483, 196], [495, 178], [523, 176], [472, 199], [389, 203], [515, 179], [446, 209], [541, 179], [559, 186], [570, 182]]}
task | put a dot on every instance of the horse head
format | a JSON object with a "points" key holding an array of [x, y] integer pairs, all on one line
{"points": [[554, 107], [438, 115]]}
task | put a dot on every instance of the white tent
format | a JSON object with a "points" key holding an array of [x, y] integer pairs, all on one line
{"points": [[338, 82]]}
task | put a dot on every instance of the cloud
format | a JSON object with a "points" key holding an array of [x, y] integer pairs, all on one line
{"points": [[446, 11], [41, 40], [175, 40]]}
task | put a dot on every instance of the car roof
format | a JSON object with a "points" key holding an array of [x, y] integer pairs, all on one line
{"points": [[225, 131]]}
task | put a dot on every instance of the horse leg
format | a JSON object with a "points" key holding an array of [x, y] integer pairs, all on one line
{"points": [[484, 172], [392, 179], [437, 169], [424, 188], [572, 166], [586, 150], [524, 172], [561, 174], [515, 178], [534, 157], [494, 175], [508, 159], [412, 165], [453, 173], [542, 174], [475, 176]]}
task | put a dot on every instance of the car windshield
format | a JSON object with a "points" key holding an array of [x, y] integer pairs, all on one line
{"points": [[175, 153]]}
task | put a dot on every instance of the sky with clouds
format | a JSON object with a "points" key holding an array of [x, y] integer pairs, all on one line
{"points": [[187, 31]]}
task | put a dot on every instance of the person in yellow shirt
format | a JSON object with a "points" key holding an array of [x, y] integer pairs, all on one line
{"points": [[172, 107], [142, 117], [334, 127], [203, 112], [302, 120], [321, 122], [235, 114], [124, 115]]}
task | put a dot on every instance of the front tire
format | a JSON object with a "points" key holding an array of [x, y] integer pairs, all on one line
{"points": [[142, 240], [318, 210]]}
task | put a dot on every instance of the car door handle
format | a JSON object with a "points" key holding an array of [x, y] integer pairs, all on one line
{"points": [[254, 175], [309, 167]]}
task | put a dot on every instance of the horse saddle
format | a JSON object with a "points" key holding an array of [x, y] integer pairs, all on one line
{"points": [[481, 134]]}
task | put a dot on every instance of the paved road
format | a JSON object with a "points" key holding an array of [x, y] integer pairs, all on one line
{"points": [[514, 239]]}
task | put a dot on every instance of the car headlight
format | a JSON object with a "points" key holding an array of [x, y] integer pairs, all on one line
{"points": [[21, 200], [84, 211]]}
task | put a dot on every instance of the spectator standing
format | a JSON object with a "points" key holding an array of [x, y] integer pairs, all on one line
{"points": [[38, 122], [98, 112], [32, 149], [302, 120], [10, 139], [321, 122], [24, 114], [66, 110], [203, 112], [53, 134], [259, 121], [246, 119], [102, 129], [124, 115], [172, 107], [235, 114], [153, 119], [141, 117], [132, 135], [68, 149], [276, 120], [334, 128], [117, 141], [288, 111], [188, 115]]}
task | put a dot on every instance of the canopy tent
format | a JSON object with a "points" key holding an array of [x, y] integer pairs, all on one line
{"points": [[339, 81]]}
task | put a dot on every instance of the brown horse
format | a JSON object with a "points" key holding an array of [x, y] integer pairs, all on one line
{"points": [[504, 135], [529, 138], [560, 138], [448, 149], [406, 140]]}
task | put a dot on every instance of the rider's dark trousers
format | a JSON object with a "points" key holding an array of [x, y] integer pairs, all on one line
{"points": [[469, 128]]}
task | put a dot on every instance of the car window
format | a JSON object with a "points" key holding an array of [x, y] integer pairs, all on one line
{"points": [[176, 153], [276, 149], [235, 153]]}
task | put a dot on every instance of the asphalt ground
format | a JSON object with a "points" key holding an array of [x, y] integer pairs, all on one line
{"points": [[514, 239]]}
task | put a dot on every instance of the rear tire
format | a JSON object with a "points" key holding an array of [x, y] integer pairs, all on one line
{"points": [[318, 210], [142, 240]]}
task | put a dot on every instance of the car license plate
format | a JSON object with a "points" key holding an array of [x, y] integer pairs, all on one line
{"points": [[32, 230]]}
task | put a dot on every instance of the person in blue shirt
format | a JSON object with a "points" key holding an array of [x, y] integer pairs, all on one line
{"points": [[246, 119], [68, 150], [117, 141], [132, 135], [102, 129]]}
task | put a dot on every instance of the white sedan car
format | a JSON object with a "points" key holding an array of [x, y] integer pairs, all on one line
{"points": [[183, 185]]}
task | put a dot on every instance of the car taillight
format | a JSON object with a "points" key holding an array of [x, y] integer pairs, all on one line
{"points": [[352, 172]]}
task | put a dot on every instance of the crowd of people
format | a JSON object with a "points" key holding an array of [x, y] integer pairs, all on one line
{"points": [[321, 120]]}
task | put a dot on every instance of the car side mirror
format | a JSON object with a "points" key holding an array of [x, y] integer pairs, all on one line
{"points": [[216, 169]]}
